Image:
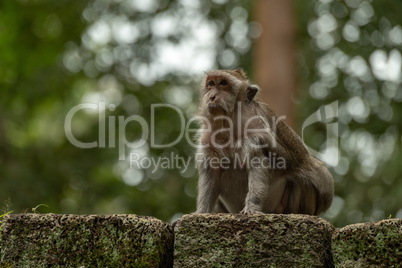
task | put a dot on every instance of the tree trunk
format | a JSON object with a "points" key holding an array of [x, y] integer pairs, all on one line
{"points": [[274, 63]]}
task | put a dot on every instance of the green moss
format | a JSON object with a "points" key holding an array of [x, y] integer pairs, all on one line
{"points": [[224, 240], [39, 240], [370, 244], [35, 240]]}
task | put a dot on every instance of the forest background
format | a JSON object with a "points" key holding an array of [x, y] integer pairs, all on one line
{"points": [[124, 56]]}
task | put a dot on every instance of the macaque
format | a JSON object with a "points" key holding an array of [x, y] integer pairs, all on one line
{"points": [[249, 161]]}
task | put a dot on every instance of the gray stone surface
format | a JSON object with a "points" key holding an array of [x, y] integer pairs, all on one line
{"points": [[200, 240], [270, 240], [51, 240], [373, 244]]}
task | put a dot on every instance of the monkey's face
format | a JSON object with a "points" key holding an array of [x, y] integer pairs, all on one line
{"points": [[219, 95]]}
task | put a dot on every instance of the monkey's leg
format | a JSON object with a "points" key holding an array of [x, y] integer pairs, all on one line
{"points": [[324, 183], [302, 197], [208, 189], [291, 202], [281, 208], [276, 193], [308, 204], [220, 207]]}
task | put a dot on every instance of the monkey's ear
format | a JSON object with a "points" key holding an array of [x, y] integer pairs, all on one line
{"points": [[241, 72], [251, 91]]}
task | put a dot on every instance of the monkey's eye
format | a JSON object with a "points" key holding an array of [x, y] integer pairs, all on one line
{"points": [[224, 82], [211, 83]]}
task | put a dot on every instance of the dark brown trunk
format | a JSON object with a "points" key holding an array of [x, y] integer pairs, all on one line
{"points": [[274, 63]]}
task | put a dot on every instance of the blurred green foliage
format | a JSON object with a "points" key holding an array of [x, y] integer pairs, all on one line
{"points": [[55, 55], [350, 52]]}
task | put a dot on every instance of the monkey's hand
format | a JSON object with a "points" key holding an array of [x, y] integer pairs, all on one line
{"points": [[248, 210]]}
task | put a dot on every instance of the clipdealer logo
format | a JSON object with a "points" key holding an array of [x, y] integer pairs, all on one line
{"points": [[325, 115]]}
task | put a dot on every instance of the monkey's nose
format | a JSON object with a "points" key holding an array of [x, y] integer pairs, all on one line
{"points": [[212, 98]]}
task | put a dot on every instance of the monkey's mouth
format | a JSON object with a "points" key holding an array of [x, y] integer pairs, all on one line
{"points": [[214, 108]]}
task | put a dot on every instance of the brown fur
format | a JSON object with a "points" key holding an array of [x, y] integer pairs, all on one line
{"points": [[228, 107]]}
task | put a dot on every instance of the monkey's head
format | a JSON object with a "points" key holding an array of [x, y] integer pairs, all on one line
{"points": [[222, 89]]}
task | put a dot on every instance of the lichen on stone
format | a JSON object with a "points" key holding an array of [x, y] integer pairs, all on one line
{"points": [[270, 240], [374, 244], [39, 240]]}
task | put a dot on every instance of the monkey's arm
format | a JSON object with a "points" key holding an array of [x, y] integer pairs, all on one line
{"points": [[258, 186], [288, 144], [208, 188]]}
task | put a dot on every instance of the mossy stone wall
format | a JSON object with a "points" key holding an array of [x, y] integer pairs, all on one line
{"points": [[227, 240], [207, 240], [51, 240]]}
